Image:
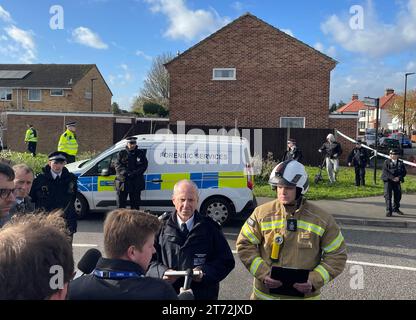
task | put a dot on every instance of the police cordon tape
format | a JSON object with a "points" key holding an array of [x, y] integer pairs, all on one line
{"points": [[375, 152]]}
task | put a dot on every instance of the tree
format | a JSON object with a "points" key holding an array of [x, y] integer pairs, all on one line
{"points": [[396, 109], [335, 106], [156, 86], [115, 108]]}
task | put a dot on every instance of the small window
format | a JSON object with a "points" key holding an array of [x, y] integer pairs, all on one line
{"points": [[6, 94], [34, 95], [224, 74], [292, 122], [57, 92], [87, 95]]}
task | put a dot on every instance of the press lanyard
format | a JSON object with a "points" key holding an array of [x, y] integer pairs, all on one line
{"points": [[116, 274]]}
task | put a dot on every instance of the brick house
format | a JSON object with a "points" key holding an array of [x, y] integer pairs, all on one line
{"points": [[53, 87], [367, 115], [250, 74], [48, 96]]}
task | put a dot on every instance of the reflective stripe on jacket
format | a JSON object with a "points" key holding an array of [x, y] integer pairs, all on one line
{"points": [[68, 143], [317, 245], [30, 136]]}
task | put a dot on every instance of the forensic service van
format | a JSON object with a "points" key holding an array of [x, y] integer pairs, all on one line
{"points": [[219, 165]]}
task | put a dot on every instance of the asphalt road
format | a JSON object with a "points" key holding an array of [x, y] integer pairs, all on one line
{"points": [[381, 262]]}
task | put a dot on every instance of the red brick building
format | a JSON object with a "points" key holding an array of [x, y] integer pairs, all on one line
{"points": [[250, 74]]}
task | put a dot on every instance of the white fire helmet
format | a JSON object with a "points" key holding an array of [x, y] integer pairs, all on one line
{"points": [[290, 173]]}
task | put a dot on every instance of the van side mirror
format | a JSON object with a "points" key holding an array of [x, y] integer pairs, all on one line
{"points": [[105, 172]]}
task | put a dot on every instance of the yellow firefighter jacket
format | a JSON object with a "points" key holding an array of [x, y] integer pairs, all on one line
{"points": [[317, 245]]}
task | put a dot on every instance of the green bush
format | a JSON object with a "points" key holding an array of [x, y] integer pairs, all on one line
{"points": [[263, 168], [36, 163]]}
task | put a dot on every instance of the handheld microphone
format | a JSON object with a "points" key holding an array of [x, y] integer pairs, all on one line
{"points": [[88, 261], [188, 279]]}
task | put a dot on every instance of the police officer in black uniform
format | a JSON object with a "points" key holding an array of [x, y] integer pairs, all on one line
{"points": [[292, 152], [359, 158], [393, 175], [189, 240], [130, 166], [56, 188]]}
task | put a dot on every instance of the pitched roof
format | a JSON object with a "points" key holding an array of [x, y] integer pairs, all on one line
{"points": [[46, 75], [352, 106], [356, 105], [245, 16]]}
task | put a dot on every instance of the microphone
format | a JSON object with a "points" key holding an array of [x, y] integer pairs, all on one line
{"points": [[89, 260], [188, 279]]}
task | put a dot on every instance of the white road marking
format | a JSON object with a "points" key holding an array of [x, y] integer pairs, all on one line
{"points": [[378, 265], [84, 245]]}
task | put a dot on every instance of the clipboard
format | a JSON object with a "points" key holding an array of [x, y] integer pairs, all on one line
{"points": [[288, 277]]}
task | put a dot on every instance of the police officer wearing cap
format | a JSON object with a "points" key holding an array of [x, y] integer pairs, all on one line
{"points": [[292, 233], [130, 166], [393, 175], [68, 142], [56, 188], [292, 152], [360, 159]]}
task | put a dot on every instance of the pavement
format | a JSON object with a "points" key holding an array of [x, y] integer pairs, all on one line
{"points": [[368, 211]]}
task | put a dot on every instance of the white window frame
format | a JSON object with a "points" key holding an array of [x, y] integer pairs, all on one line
{"points": [[303, 118], [28, 94], [7, 92], [57, 95], [224, 78], [87, 95]]}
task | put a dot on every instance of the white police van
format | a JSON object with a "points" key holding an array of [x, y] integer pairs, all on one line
{"points": [[219, 165]]}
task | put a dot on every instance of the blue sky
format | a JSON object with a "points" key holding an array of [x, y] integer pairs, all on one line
{"points": [[122, 36]]}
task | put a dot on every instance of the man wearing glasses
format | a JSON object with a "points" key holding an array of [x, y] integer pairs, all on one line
{"points": [[56, 188], [7, 196]]}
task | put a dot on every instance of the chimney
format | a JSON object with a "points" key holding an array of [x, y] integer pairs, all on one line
{"points": [[389, 91], [354, 96]]}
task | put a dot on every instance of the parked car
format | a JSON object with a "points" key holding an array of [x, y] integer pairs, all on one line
{"points": [[404, 140], [386, 144], [370, 140]]}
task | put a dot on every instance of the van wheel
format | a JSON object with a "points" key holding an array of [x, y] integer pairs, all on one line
{"points": [[81, 206], [219, 209]]}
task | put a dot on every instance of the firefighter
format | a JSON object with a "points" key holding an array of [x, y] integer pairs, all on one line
{"points": [[393, 175], [290, 232], [68, 142], [130, 166]]}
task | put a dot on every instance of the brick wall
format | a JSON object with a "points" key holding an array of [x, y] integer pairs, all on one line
{"points": [[73, 100], [93, 133], [276, 76]]}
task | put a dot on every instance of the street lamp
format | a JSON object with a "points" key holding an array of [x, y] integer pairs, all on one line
{"points": [[92, 93], [404, 102]]}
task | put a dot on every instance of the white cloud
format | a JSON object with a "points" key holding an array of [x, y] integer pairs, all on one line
{"points": [[237, 6], [87, 37], [5, 15], [142, 54], [331, 51], [20, 44], [376, 38], [121, 79], [411, 66], [185, 23], [288, 31]]}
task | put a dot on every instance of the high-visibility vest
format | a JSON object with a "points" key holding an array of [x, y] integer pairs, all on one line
{"points": [[31, 135], [68, 143]]}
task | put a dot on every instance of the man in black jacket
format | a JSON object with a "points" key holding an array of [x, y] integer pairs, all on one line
{"points": [[359, 158], [129, 237], [332, 150], [130, 166], [393, 174], [292, 152], [56, 188], [189, 240]]}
